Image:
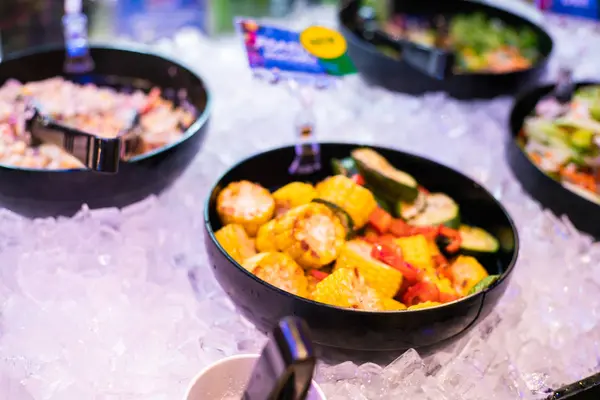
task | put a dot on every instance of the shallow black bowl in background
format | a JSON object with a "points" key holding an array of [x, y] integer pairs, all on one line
{"points": [[549, 192], [43, 193], [265, 305], [381, 70]]}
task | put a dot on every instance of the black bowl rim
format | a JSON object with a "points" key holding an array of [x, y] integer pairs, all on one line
{"points": [[517, 104], [189, 132], [263, 153], [351, 36]]}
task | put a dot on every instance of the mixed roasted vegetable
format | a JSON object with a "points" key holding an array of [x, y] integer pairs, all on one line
{"points": [[480, 44], [564, 141], [102, 111], [367, 238]]}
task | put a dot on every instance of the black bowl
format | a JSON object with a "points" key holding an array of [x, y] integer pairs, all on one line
{"points": [[43, 193], [381, 70], [584, 213], [265, 305], [585, 389]]}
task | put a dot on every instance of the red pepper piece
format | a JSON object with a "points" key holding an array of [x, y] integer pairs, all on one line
{"points": [[447, 297], [380, 220], [391, 255], [358, 179], [399, 228], [430, 232], [151, 100], [440, 261], [318, 275], [420, 293], [454, 245], [448, 232]]}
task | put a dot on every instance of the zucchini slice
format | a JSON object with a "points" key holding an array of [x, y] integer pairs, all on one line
{"points": [[439, 210], [383, 203], [344, 217], [379, 173], [344, 166], [477, 240], [483, 284], [408, 211]]}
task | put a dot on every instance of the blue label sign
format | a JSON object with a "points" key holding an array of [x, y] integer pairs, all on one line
{"points": [[576, 8]]}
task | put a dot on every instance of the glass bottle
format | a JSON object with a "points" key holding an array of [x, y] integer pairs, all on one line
{"points": [[75, 28]]}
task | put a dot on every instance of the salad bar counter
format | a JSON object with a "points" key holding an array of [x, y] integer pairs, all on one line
{"points": [[458, 283]]}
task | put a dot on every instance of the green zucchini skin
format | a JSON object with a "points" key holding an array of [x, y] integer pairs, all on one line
{"points": [[484, 284], [440, 210], [382, 176], [477, 241], [407, 211], [344, 217]]}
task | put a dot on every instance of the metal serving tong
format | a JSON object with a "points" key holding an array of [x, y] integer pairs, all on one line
{"points": [[98, 154], [286, 365], [587, 388], [437, 62]]}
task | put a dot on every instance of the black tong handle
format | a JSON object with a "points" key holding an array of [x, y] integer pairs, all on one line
{"points": [[97, 154], [286, 365], [588, 388]]}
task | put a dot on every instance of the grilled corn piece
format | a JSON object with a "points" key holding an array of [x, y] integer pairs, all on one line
{"points": [[234, 239], [415, 251], [342, 191], [383, 278], [346, 288], [311, 234], [265, 238], [426, 304], [293, 195], [465, 273], [444, 285], [279, 270], [392, 305], [434, 250], [247, 204]]}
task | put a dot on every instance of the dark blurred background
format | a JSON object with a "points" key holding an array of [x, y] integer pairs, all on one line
{"points": [[26, 23]]}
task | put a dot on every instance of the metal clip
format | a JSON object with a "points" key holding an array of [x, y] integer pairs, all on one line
{"points": [[286, 366]]}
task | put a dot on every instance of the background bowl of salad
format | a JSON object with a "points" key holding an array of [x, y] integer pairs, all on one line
{"points": [[379, 250], [554, 152], [41, 181], [496, 52]]}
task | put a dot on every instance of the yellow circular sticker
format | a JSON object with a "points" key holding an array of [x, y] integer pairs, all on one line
{"points": [[323, 42]]}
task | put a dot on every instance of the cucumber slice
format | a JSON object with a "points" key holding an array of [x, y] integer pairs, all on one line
{"points": [[582, 139], [586, 194], [340, 213], [345, 166], [477, 240], [484, 284], [595, 111], [379, 173], [439, 210], [407, 211]]}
